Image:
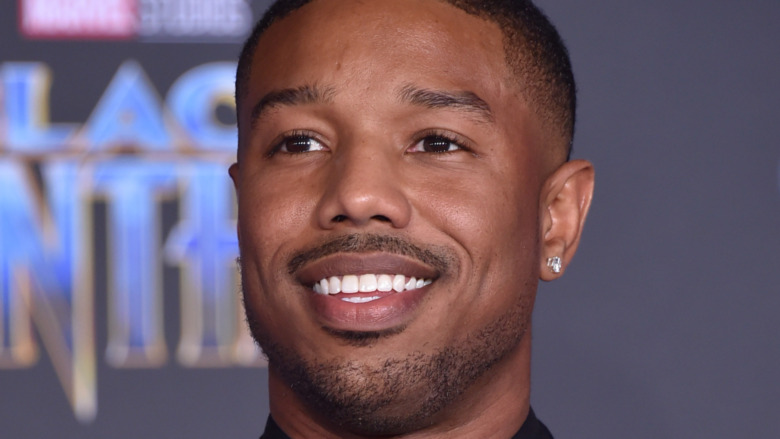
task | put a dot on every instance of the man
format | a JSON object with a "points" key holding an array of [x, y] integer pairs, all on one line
{"points": [[403, 184]]}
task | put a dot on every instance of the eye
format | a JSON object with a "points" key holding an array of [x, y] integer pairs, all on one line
{"points": [[298, 143], [437, 144]]}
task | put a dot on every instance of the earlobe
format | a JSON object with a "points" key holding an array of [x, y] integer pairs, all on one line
{"points": [[565, 199]]}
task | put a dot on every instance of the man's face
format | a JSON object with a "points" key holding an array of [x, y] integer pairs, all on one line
{"points": [[380, 142]]}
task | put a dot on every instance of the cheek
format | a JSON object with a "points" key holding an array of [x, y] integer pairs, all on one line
{"points": [[272, 210], [273, 216], [494, 221], [272, 219], [487, 215]]}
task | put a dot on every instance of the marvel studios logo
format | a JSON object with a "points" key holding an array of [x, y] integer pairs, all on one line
{"points": [[143, 20]]}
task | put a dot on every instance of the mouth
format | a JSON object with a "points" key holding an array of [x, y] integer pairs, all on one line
{"points": [[366, 291]]}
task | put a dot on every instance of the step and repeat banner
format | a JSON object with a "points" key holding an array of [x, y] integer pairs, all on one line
{"points": [[120, 313], [117, 232]]}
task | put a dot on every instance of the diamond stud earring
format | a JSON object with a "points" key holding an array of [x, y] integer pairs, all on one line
{"points": [[554, 264]]}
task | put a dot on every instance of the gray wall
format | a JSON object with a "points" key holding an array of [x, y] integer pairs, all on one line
{"points": [[666, 324], [663, 327]]}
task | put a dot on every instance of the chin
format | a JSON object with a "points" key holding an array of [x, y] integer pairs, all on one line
{"points": [[400, 393]]}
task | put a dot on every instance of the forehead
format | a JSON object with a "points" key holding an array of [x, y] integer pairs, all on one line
{"points": [[370, 46]]}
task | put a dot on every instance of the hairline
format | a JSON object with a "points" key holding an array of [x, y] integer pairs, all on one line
{"points": [[514, 41]]}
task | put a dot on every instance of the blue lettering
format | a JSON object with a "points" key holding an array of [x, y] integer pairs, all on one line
{"points": [[194, 98], [133, 187], [129, 114], [129, 154], [26, 108], [43, 258], [204, 243]]}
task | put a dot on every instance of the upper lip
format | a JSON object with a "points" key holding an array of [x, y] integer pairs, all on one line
{"points": [[341, 264]]}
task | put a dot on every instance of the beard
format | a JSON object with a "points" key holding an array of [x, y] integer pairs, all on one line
{"points": [[399, 394]]}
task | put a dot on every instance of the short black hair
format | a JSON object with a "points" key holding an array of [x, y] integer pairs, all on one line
{"points": [[534, 50]]}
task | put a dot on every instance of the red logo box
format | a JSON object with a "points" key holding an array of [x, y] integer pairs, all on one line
{"points": [[78, 19]]}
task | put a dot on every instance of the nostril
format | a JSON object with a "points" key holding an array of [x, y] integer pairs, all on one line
{"points": [[342, 218]]}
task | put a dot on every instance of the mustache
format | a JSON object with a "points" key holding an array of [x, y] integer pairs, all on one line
{"points": [[437, 257]]}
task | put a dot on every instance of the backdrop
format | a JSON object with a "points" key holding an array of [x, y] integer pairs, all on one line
{"points": [[116, 127]]}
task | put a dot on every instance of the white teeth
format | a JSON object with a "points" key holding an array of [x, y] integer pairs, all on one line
{"points": [[354, 299], [399, 280], [335, 285], [367, 283], [350, 284], [384, 283]]}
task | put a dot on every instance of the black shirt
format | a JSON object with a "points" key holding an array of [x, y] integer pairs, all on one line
{"points": [[532, 429]]}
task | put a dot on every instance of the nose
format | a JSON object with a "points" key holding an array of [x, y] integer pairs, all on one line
{"points": [[364, 186]]}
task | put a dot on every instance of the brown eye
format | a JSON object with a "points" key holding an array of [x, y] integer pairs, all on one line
{"points": [[299, 144], [436, 144]]}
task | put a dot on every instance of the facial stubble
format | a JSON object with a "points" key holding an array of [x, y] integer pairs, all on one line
{"points": [[400, 393]]}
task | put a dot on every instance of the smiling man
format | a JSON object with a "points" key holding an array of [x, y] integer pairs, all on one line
{"points": [[403, 184]]}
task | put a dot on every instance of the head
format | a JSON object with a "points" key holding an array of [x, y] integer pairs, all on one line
{"points": [[414, 150]]}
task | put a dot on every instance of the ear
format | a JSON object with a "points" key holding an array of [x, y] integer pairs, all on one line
{"points": [[565, 200], [234, 170]]}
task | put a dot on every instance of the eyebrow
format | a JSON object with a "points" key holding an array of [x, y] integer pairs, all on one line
{"points": [[435, 99], [305, 94], [459, 100]]}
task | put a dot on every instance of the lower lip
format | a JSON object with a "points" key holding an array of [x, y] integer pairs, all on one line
{"points": [[385, 313]]}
